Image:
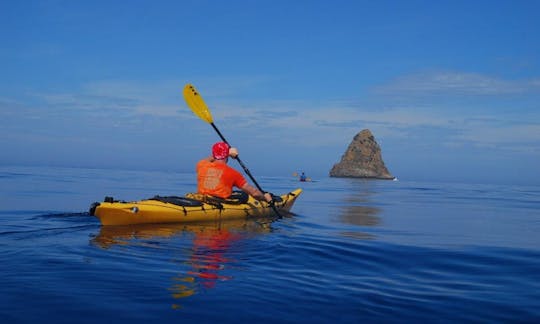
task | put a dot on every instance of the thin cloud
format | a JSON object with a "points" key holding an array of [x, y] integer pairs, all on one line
{"points": [[314, 123], [88, 101], [486, 134], [333, 126], [458, 83]]}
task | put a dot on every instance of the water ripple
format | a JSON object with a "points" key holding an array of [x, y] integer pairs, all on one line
{"points": [[354, 251]]}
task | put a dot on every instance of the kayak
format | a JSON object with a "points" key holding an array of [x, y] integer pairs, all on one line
{"points": [[189, 209]]}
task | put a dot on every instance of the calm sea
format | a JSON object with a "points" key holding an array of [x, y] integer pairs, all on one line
{"points": [[354, 251]]}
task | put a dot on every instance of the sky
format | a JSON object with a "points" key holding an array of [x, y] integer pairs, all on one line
{"points": [[450, 89]]}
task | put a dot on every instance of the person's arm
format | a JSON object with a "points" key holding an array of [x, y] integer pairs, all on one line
{"points": [[256, 193], [247, 188]]}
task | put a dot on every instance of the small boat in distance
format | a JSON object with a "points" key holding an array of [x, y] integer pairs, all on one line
{"points": [[302, 177]]}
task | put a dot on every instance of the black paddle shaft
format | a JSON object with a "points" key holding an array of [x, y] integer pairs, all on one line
{"points": [[246, 170]]}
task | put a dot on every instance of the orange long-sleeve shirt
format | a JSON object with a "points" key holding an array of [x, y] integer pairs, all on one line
{"points": [[217, 179]]}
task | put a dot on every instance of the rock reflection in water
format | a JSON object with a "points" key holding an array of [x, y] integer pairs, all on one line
{"points": [[361, 215], [357, 209]]}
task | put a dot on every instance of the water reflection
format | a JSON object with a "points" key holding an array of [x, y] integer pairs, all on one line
{"points": [[207, 258], [361, 215], [358, 209]]}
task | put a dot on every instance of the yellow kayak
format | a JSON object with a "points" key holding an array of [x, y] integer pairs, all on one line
{"points": [[190, 209]]}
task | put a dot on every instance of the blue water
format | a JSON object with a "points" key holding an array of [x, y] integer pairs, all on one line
{"points": [[354, 251]]}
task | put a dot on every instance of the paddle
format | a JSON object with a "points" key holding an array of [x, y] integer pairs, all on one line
{"points": [[196, 103]]}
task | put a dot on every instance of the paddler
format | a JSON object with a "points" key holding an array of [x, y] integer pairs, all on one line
{"points": [[216, 178]]}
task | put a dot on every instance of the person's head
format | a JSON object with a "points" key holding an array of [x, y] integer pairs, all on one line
{"points": [[220, 151]]}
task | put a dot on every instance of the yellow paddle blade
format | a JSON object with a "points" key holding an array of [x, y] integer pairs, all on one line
{"points": [[196, 103]]}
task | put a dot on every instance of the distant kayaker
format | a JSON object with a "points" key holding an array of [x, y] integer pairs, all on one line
{"points": [[303, 177], [216, 178]]}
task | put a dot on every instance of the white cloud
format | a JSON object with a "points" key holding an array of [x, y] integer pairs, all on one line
{"points": [[511, 132], [525, 137], [314, 123]]}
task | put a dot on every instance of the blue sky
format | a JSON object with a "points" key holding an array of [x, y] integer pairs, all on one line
{"points": [[450, 89]]}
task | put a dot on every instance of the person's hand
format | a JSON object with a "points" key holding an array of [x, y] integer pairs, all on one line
{"points": [[268, 197], [233, 152]]}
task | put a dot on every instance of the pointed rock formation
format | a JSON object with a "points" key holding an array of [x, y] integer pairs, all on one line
{"points": [[362, 159]]}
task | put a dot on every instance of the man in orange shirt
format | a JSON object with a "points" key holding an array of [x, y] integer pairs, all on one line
{"points": [[216, 178]]}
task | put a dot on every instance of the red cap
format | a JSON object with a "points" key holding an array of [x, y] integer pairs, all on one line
{"points": [[220, 150]]}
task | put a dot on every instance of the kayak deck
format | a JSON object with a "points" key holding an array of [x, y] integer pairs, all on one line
{"points": [[152, 211]]}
